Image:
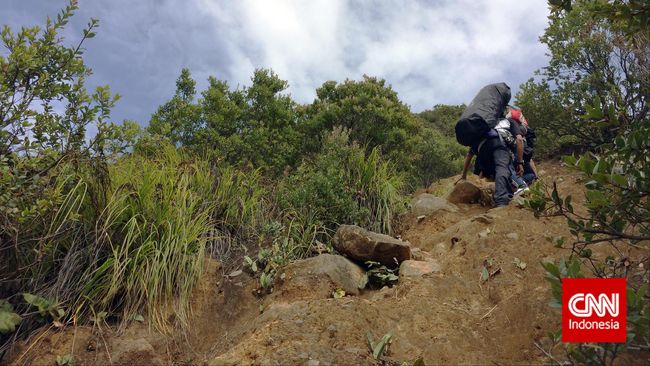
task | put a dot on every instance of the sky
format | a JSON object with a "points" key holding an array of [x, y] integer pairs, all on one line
{"points": [[430, 52]]}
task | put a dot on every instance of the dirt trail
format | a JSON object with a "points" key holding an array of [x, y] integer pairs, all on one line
{"points": [[447, 317]]}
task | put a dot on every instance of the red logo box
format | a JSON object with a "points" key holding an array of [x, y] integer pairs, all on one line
{"points": [[593, 310]]}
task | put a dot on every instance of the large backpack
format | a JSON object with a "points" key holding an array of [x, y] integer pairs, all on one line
{"points": [[482, 114], [531, 137]]}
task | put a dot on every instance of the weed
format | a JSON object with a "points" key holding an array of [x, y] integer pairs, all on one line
{"points": [[378, 349]]}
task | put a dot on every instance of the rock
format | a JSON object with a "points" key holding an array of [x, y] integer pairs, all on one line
{"points": [[134, 351], [441, 248], [419, 255], [412, 268], [322, 274], [484, 234], [512, 236], [483, 218], [363, 245], [465, 192], [427, 204]]}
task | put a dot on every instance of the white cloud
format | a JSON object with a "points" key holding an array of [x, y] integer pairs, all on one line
{"points": [[431, 52]]}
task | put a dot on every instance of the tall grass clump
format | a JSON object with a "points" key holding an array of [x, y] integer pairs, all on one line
{"points": [[136, 247], [344, 185], [153, 229]]}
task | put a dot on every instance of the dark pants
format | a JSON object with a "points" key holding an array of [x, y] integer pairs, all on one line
{"points": [[494, 159]]}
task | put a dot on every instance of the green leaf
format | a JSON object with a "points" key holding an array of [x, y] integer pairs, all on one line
{"points": [[338, 293], [484, 274], [570, 160], [66, 360], [363, 282], [519, 263], [379, 348], [8, 318]]}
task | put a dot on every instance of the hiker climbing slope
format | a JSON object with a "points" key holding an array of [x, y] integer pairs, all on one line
{"points": [[530, 171], [483, 128]]}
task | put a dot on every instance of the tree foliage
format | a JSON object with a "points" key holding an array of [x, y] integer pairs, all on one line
{"points": [[371, 111], [254, 126], [594, 64], [443, 118], [599, 67]]}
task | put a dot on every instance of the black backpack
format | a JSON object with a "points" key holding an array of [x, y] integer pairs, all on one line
{"points": [[482, 114], [530, 137]]}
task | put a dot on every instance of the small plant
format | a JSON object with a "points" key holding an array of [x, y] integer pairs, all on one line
{"points": [[378, 349], [266, 281], [519, 263], [487, 272], [339, 293], [379, 275], [99, 318], [46, 308], [8, 318], [65, 360]]}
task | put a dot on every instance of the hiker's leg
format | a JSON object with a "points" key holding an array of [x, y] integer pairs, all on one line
{"points": [[519, 181], [502, 188], [529, 173]]}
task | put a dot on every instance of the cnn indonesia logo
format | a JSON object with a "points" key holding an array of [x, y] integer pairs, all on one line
{"points": [[593, 310]]}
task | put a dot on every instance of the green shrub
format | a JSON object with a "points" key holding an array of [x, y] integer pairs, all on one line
{"points": [[343, 185]]}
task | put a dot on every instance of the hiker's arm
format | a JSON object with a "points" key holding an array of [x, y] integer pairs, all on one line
{"points": [[468, 160], [520, 155]]}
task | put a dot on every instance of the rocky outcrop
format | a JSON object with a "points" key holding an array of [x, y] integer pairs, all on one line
{"points": [[471, 193], [427, 204], [464, 192], [319, 276], [363, 245]]}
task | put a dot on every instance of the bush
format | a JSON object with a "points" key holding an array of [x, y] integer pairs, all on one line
{"points": [[136, 244], [343, 185]]}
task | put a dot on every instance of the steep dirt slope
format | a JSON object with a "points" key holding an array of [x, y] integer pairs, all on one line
{"points": [[446, 317]]}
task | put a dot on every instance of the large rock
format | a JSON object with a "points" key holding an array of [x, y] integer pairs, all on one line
{"points": [[428, 204], [363, 245], [318, 276], [410, 269], [465, 192], [470, 192]]}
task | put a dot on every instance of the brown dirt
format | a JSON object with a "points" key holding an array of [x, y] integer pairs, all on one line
{"points": [[449, 317]]}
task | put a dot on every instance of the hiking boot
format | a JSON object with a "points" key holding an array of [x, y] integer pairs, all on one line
{"points": [[521, 190]]}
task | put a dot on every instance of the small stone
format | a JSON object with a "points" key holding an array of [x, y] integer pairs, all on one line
{"points": [[235, 273], [512, 236], [484, 234], [419, 255], [483, 219], [440, 248], [313, 363]]}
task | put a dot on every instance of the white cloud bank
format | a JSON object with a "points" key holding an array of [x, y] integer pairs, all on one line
{"points": [[431, 52]]}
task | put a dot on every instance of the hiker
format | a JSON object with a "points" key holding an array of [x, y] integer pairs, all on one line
{"points": [[483, 128], [494, 158], [530, 171]]}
